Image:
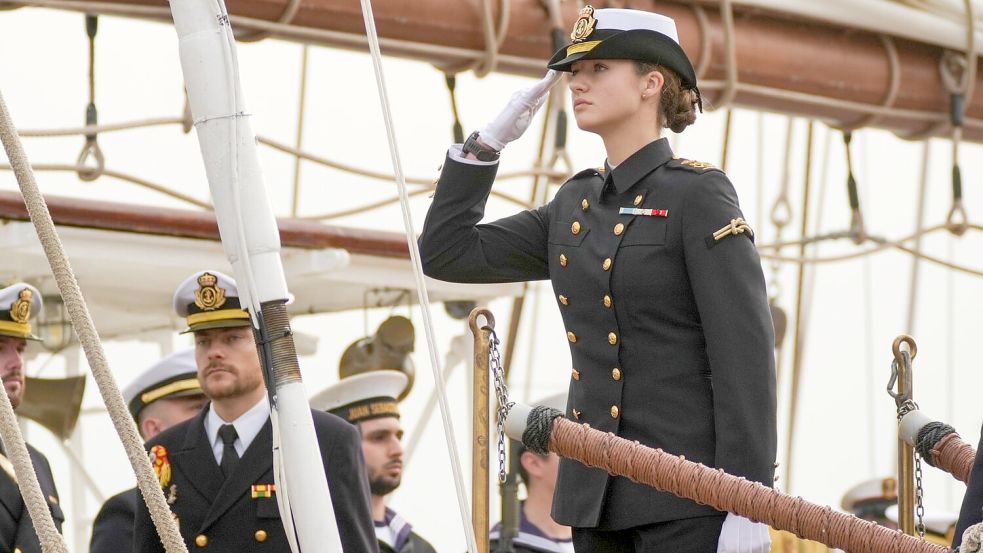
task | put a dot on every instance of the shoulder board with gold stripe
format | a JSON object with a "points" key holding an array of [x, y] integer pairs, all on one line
{"points": [[692, 165]]}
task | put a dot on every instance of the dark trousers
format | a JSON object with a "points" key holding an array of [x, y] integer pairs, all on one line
{"points": [[689, 535]]}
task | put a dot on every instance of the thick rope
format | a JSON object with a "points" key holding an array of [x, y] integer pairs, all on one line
{"points": [[88, 338], [714, 487], [27, 480], [940, 446]]}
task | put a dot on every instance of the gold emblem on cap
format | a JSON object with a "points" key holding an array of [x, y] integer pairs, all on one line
{"points": [[208, 296], [20, 310], [585, 24]]}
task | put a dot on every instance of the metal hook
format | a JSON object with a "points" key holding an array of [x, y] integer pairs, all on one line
{"points": [[902, 358]]}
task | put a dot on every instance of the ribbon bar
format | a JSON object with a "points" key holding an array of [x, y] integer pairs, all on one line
{"points": [[643, 211]]}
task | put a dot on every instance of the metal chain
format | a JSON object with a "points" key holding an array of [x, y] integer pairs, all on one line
{"points": [[502, 393], [919, 497]]}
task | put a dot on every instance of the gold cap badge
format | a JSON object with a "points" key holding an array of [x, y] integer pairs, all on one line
{"points": [[208, 296], [20, 310], [585, 24]]}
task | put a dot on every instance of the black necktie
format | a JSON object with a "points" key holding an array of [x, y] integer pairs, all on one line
{"points": [[230, 458]]}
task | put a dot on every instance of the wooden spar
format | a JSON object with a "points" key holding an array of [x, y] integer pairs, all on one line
{"points": [[480, 425], [184, 223], [773, 51]]}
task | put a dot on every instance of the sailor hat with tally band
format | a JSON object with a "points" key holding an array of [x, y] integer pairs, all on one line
{"points": [[173, 376], [209, 299], [626, 35], [363, 396], [19, 303]]}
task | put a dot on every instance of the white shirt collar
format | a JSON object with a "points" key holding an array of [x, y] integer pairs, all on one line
{"points": [[247, 426]]}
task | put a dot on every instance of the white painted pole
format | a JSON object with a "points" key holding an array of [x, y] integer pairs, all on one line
{"points": [[252, 244]]}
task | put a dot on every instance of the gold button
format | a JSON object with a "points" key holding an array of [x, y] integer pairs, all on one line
{"points": [[572, 337], [201, 540], [18, 550], [607, 301], [584, 204], [638, 200], [614, 411], [607, 264], [612, 338], [616, 373], [619, 228], [260, 536], [575, 227], [563, 260], [564, 300], [576, 414], [576, 374]]}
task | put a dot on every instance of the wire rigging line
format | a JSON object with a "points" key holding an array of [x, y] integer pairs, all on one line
{"points": [[421, 286]]}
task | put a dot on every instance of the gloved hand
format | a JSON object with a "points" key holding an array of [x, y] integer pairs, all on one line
{"points": [[515, 118], [740, 535]]}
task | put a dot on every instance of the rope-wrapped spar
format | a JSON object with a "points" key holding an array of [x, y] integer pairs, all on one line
{"points": [[938, 443], [543, 429]]}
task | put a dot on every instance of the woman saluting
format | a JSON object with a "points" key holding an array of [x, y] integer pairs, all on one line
{"points": [[657, 280]]}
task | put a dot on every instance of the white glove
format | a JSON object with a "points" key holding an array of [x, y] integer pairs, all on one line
{"points": [[515, 118], [740, 535]]}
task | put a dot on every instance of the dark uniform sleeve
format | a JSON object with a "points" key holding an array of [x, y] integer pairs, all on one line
{"points": [[341, 449], [971, 511], [455, 248], [729, 288], [112, 531]]}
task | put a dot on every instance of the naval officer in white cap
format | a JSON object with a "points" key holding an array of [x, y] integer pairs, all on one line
{"points": [[368, 401], [220, 463], [163, 395], [19, 304]]}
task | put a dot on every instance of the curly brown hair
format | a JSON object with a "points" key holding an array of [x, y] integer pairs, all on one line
{"points": [[677, 106]]}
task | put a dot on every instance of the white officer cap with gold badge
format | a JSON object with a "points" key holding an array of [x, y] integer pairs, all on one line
{"points": [[210, 299], [19, 302], [173, 376], [363, 396]]}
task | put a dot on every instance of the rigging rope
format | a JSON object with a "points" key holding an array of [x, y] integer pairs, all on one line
{"points": [[89, 338], [421, 286]]}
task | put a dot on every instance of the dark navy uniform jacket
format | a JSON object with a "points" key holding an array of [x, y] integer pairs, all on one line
{"points": [[16, 527], [112, 531], [670, 333], [971, 511], [223, 515]]}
